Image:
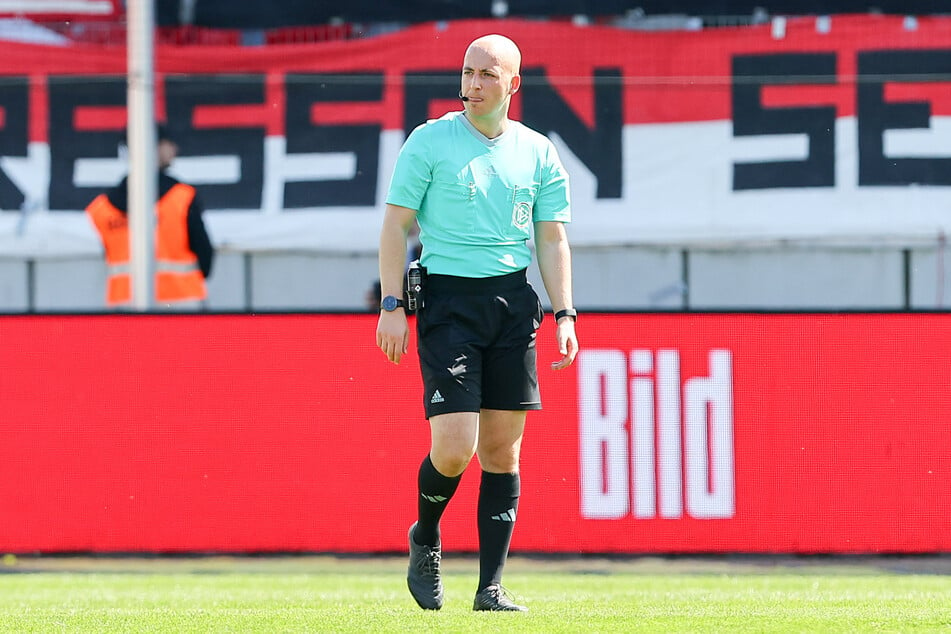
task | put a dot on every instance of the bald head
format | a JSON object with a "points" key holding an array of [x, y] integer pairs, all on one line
{"points": [[501, 49], [490, 76]]}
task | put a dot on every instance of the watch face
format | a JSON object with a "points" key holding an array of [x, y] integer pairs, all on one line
{"points": [[389, 303]]}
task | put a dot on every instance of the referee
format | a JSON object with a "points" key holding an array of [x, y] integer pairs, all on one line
{"points": [[477, 183]]}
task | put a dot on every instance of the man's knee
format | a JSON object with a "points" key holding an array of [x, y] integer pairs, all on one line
{"points": [[500, 440], [499, 460], [454, 438], [450, 463]]}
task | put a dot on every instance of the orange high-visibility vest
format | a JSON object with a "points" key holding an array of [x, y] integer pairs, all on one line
{"points": [[177, 275]]}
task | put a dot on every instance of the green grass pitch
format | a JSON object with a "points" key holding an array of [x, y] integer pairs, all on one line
{"points": [[327, 594]]}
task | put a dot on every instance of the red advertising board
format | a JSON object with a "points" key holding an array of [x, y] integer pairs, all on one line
{"points": [[672, 433]]}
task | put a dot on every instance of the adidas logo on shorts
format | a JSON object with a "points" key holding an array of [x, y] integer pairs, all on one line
{"points": [[437, 398]]}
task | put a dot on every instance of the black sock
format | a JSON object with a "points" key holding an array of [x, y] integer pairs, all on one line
{"points": [[435, 491], [498, 503]]}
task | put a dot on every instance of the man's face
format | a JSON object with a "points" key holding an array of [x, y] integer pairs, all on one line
{"points": [[167, 151], [486, 81]]}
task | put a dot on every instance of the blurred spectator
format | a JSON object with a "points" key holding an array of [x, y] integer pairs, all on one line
{"points": [[183, 251]]}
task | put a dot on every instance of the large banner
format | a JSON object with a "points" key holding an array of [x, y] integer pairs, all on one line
{"points": [[673, 433], [809, 128]]}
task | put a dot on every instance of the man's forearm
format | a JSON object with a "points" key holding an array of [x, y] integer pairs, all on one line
{"points": [[554, 263], [393, 252]]}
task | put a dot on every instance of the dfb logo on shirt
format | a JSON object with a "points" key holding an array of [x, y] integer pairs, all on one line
{"points": [[521, 215]]}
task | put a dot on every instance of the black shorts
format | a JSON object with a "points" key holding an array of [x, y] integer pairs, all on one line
{"points": [[477, 344]]}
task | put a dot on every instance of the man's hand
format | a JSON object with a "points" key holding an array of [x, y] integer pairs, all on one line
{"points": [[392, 334], [567, 343]]}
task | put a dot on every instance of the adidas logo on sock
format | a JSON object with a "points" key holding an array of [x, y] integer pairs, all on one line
{"points": [[507, 516], [435, 499], [437, 398]]}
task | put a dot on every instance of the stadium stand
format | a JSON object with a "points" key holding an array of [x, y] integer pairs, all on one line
{"points": [[264, 14], [263, 22]]}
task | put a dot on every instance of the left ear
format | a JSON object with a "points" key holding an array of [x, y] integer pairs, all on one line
{"points": [[516, 84]]}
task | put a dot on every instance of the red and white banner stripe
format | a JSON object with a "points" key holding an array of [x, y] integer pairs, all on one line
{"points": [[48, 9]]}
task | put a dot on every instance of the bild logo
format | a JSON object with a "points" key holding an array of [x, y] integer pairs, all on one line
{"points": [[653, 445]]}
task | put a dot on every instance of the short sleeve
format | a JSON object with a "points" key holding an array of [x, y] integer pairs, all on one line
{"points": [[412, 173], [554, 197]]}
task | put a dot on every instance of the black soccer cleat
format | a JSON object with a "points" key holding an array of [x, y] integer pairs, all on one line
{"points": [[495, 599], [423, 578]]}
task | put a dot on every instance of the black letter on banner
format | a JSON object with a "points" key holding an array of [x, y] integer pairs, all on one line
{"points": [[304, 136], [185, 94], [13, 135], [599, 149], [876, 116], [422, 88], [750, 74], [67, 144]]}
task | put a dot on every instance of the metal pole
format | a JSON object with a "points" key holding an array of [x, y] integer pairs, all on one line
{"points": [[143, 176]]}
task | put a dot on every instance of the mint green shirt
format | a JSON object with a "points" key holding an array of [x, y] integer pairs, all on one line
{"points": [[477, 198]]}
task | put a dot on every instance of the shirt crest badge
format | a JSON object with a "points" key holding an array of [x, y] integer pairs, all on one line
{"points": [[522, 214]]}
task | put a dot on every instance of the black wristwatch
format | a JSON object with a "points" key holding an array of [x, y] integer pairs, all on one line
{"points": [[390, 303], [567, 312]]}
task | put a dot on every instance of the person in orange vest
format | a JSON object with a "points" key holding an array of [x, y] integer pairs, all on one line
{"points": [[183, 250]]}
